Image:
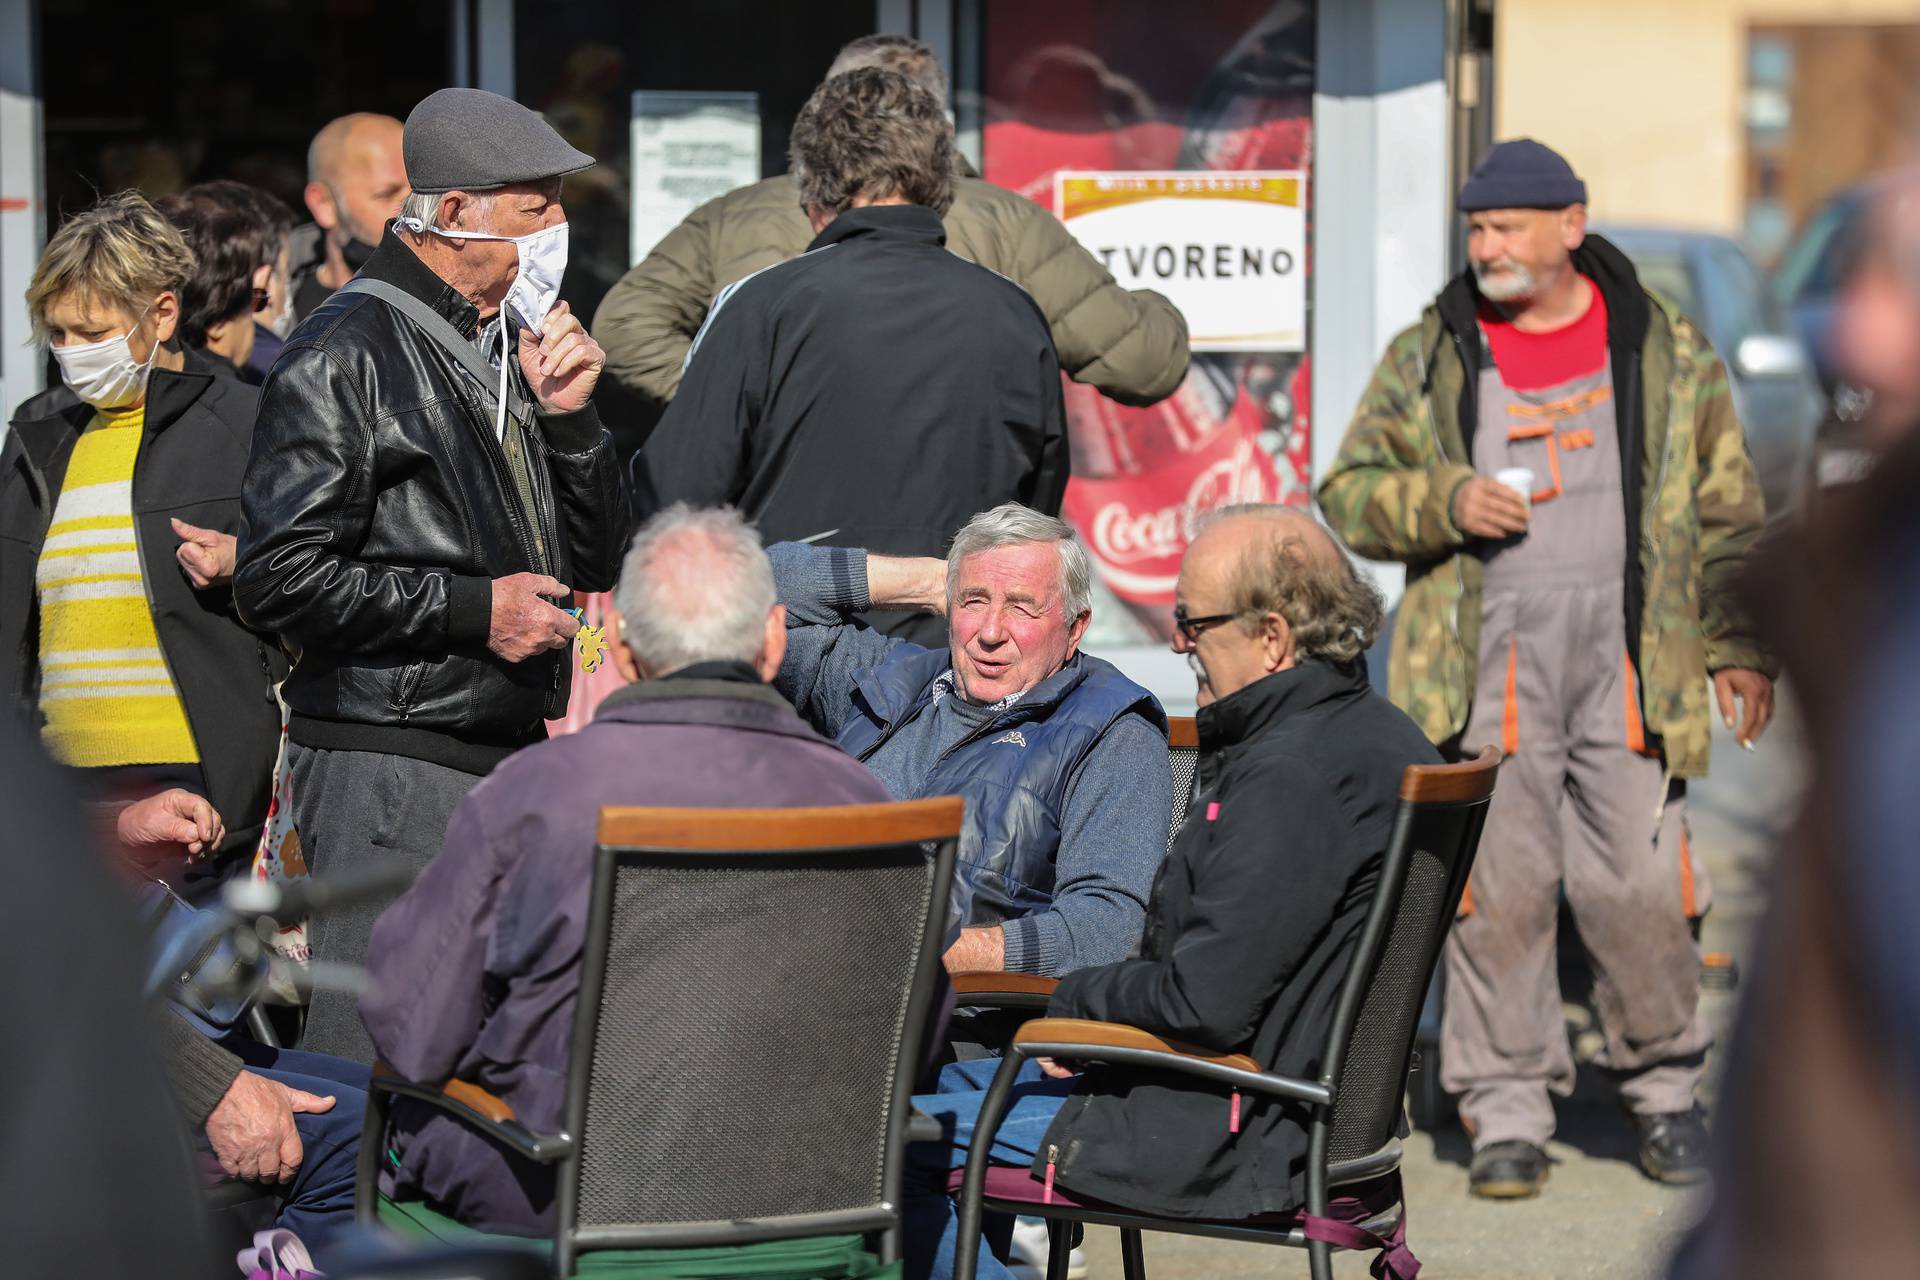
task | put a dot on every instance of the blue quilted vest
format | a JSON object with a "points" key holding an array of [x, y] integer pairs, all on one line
{"points": [[1013, 771]]}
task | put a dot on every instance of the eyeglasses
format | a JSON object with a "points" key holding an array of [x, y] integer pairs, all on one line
{"points": [[261, 299], [1192, 627]]}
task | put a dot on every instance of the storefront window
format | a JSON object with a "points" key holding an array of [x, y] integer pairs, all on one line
{"points": [[580, 64], [159, 97], [1077, 95]]}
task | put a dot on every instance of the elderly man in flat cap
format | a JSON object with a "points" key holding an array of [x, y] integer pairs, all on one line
{"points": [[429, 482]]}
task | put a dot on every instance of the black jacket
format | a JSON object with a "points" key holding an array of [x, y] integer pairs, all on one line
{"points": [[378, 510], [877, 389], [193, 454], [1247, 940]]}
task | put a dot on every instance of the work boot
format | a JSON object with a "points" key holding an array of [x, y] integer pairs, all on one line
{"points": [[1514, 1170], [1673, 1145]]}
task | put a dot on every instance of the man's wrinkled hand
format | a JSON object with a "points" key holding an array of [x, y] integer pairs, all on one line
{"points": [[1055, 1070], [207, 556], [252, 1129], [1484, 508], [525, 620], [563, 363], [173, 817], [1755, 695]]}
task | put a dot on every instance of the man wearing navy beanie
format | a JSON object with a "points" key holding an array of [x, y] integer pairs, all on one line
{"points": [[1553, 453]]}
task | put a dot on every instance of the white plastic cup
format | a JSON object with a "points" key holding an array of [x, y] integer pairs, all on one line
{"points": [[1518, 479]]}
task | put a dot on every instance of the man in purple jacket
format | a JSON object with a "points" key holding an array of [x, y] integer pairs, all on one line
{"points": [[475, 970]]}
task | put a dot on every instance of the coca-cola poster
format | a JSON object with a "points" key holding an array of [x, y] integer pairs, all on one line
{"points": [[1088, 90]]}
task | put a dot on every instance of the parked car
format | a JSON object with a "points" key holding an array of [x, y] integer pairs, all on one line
{"points": [[1775, 392], [1807, 283]]}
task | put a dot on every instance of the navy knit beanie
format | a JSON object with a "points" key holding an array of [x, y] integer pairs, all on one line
{"points": [[1522, 174]]}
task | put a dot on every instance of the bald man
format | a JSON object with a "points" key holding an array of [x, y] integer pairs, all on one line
{"points": [[356, 180], [1252, 918]]}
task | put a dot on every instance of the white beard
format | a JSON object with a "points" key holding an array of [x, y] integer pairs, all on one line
{"points": [[1513, 283]]}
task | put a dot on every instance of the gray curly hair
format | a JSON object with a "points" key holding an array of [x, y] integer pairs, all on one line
{"points": [[1333, 610], [875, 133]]}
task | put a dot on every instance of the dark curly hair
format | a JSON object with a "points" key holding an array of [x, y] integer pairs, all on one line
{"points": [[872, 133], [234, 230]]}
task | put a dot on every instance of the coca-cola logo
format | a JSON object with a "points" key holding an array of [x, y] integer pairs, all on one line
{"points": [[1123, 536]]}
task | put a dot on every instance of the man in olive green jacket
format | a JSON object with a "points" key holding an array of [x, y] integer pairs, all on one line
{"points": [[1130, 345], [1574, 624]]}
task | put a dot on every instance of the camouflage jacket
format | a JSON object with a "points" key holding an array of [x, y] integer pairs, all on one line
{"points": [[1693, 507]]}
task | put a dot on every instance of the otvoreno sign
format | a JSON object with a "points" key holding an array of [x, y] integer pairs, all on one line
{"points": [[1229, 249]]}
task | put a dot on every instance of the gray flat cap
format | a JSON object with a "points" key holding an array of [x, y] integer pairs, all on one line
{"points": [[469, 139]]}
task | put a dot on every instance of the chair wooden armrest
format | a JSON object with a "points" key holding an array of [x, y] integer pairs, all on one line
{"points": [[1079, 1039], [989, 990], [475, 1106]]}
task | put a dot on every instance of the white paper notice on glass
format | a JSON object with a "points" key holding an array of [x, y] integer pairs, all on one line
{"points": [[1228, 248], [688, 148]]}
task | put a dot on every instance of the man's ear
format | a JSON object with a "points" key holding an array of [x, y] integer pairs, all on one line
{"points": [[1573, 226], [1078, 629], [320, 204], [1276, 642], [773, 647], [623, 660]]}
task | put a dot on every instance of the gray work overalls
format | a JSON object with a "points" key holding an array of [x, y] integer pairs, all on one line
{"points": [[1582, 801]]}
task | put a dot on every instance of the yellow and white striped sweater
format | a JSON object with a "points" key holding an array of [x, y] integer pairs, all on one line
{"points": [[105, 691]]}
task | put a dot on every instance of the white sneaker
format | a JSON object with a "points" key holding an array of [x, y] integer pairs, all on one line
{"points": [[1028, 1254]]}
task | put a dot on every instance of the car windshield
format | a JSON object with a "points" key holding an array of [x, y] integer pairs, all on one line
{"points": [[1820, 260]]}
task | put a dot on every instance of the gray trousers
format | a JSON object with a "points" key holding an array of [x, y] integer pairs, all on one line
{"points": [[357, 809], [1576, 806]]}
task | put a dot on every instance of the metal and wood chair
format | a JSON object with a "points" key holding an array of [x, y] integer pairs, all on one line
{"points": [[1354, 1108], [753, 986]]}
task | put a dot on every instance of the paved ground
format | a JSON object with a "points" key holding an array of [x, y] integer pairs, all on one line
{"points": [[1599, 1217]]}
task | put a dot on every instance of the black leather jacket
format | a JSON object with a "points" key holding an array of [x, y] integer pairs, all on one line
{"points": [[377, 511]]}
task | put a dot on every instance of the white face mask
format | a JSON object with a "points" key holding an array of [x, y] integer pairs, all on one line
{"points": [[104, 373], [543, 260]]}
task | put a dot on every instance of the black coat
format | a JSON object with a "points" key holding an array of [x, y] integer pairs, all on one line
{"points": [[1248, 936], [379, 509], [193, 454], [877, 389]]}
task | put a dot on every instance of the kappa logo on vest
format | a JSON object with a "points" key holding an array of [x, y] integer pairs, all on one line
{"points": [[1014, 736]]}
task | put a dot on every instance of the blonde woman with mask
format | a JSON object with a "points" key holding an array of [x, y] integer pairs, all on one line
{"points": [[119, 506]]}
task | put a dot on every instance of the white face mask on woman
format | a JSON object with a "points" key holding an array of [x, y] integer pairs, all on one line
{"points": [[543, 260], [104, 373]]}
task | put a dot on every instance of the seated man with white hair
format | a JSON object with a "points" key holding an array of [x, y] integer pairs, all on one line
{"points": [[1061, 758], [476, 969]]}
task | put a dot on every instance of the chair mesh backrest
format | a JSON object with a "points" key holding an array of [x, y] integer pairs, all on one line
{"points": [[1373, 1076], [749, 1033], [1185, 762]]}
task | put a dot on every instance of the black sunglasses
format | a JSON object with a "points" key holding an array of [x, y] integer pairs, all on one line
{"points": [[1192, 627], [261, 299]]}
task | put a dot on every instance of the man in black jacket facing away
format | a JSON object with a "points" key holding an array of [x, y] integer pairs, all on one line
{"points": [[876, 391], [429, 481], [1252, 915]]}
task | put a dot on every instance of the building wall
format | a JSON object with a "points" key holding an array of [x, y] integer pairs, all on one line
{"points": [[1645, 97]]}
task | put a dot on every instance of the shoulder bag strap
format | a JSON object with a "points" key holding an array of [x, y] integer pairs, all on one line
{"points": [[455, 343]]}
